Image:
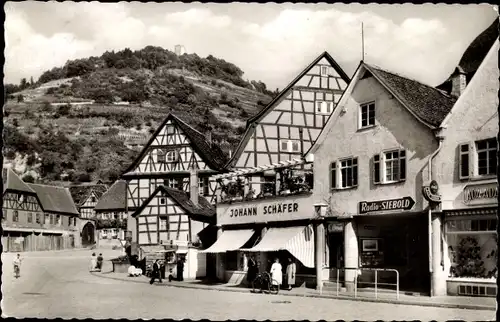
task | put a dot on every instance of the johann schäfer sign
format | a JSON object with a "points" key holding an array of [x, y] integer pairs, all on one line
{"points": [[405, 203], [255, 211]]}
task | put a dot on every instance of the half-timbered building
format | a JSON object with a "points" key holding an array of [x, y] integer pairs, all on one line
{"points": [[37, 217], [111, 210], [86, 197]]}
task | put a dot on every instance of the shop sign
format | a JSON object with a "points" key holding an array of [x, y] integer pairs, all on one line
{"points": [[405, 203], [335, 227], [277, 210], [431, 192], [481, 194]]}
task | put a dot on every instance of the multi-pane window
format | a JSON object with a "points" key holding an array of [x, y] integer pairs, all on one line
{"points": [[163, 224], [324, 107], [344, 173], [478, 158], [203, 186], [30, 217], [173, 183], [389, 167], [290, 146], [38, 219], [92, 199], [324, 70], [486, 157], [367, 115], [15, 216], [172, 156], [161, 156]]}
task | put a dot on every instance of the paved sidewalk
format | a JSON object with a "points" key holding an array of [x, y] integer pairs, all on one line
{"points": [[463, 302]]}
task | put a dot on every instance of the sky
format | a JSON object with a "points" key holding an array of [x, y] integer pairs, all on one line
{"points": [[269, 42]]}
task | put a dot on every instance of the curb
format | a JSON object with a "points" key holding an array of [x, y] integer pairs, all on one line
{"points": [[387, 301]]}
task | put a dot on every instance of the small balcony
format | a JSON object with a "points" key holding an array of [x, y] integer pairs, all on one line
{"points": [[284, 179]]}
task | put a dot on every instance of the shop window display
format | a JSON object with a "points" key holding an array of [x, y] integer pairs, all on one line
{"points": [[472, 247]]}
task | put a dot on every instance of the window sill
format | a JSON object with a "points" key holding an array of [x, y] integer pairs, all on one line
{"points": [[492, 177], [342, 189], [389, 183], [366, 128]]}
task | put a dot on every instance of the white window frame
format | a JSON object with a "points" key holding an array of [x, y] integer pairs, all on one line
{"points": [[382, 166], [173, 183], [367, 106], [289, 146], [488, 150], [324, 71], [163, 224], [338, 166], [324, 107], [470, 151], [172, 156]]}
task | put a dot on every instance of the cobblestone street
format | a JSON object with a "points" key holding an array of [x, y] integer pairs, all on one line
{"points": [[58, 284]]}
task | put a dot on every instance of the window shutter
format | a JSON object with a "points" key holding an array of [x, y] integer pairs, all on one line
{"points": [[402, 165], [376, 169], [355, 172], [464, 170], [333, 175]]}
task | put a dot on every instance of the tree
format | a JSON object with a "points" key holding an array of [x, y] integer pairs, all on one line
{"points": [[20, 98], [24, 83], [31, 81], [29, 178]]}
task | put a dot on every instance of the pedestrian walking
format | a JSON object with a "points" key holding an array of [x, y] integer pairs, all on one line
{"points": [[180, 269], [276, 273], [252, 270], [156, 272], [290, 273], [100, 259], [93, 263], [17, 266]]}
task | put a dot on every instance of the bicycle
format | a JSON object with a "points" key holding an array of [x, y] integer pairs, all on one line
{"points": [[264, 283]]}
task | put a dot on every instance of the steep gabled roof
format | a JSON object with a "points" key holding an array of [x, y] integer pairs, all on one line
{"points": [[81, 193], [428, 104], [279, 97], [212, 155], [14, 183], [204, 211], [55, 199], [114, 198]]}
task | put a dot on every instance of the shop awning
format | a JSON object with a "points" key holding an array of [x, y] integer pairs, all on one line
{"points": [[299, 241], [230, 240]]}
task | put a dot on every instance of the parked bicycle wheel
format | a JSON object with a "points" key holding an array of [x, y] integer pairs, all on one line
{"points": [[257, 285], [274, 287]]}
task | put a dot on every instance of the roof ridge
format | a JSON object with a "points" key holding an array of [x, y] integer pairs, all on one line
{"points": [[408, 78], [46, 185]]}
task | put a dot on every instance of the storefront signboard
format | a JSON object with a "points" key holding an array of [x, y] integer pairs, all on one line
{"points": [[405, 203], [480, 194], [335, 227], [280, 209]]}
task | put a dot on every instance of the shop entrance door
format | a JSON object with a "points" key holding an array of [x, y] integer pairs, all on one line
{"points": [[336, 247]]}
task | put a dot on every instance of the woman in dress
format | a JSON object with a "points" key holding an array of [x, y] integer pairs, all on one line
{"points": [[290, 273], [276, 273], [93, 263]]}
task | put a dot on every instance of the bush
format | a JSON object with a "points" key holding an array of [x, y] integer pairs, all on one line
{"points": [[28, 178], [243, 113], [15, 122], [64, 109]]}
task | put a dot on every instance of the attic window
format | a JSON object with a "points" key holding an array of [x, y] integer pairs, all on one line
{"points": [[160, 157], [170, 130], [290, 146], [324, 107], [367, 115], [324, 70], [92, 199], [162, 201]]}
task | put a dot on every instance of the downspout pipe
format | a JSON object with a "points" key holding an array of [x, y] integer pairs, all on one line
{"points": [[429, 211]]}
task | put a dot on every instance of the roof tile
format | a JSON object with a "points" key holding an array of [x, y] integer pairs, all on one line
{"points": [[114, 198]]}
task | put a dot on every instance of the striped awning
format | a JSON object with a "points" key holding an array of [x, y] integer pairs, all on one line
{"points": [[299, 241], [281, 164], [230, 240]]}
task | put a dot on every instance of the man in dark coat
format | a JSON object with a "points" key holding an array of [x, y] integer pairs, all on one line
{"points": [[180, 269], [156, 272], [252, 270]]}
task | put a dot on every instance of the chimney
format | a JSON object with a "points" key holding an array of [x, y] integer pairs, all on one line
{"points": [[458, 82], [193, 186]]}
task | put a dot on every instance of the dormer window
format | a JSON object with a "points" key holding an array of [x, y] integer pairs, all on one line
{"points": [[324, 107], [172, 156], [324, 70], [92, 199], [290, 146]]}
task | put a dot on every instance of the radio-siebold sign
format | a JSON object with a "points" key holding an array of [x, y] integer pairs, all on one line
{"points": [[263, 212], [405, 203]]}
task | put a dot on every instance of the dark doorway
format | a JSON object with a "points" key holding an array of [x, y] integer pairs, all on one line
{"points": [[211, 265], [336, 249], [88, 237]]}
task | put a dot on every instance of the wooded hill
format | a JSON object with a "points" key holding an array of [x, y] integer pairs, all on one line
{"points": [[121, 99]]}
